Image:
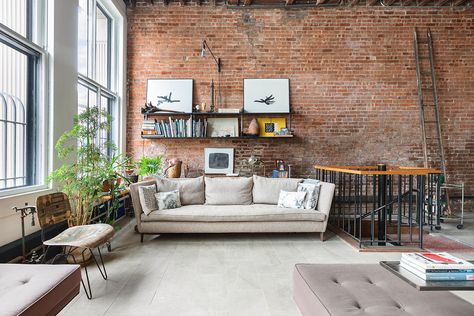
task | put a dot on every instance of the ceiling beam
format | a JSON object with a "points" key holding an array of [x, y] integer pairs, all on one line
{"points": [[458, 2], [423, 2], [372, 2], [442, 2], [289, 2], [353, 3], [247, 2]]}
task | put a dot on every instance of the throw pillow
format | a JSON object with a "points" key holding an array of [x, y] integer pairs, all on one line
{"points": [[312, 181], [168, 200], [291, 199], [146, 193], [312, 194]]}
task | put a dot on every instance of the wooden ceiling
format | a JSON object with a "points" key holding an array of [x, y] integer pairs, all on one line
{"points": [[311, 3]]}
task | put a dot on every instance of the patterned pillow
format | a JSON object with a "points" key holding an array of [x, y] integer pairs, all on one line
{"points": [[168, 200], [146, 193], [291, 199], [312, 194]]}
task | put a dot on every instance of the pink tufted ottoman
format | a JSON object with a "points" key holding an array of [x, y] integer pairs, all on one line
{"points": [[36, 289], [367, 289]]}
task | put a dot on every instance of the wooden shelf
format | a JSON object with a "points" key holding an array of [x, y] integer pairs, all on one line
{"points": [[217, 114], [219, 138]]}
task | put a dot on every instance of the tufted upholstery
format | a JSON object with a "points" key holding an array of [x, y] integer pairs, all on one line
{"points": [[367, 290], [36, 289]]}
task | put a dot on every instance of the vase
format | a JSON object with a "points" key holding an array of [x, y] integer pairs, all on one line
{"points": [[253, 127]]}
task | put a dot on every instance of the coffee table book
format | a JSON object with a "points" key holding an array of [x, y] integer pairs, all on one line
{"points": [[424, 285]]}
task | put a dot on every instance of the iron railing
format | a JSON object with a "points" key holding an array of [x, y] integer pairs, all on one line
{"points": [[383, 205]]}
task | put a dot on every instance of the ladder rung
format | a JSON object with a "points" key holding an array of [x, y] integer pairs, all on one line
{"points": [[423, 57], [429, 122]]}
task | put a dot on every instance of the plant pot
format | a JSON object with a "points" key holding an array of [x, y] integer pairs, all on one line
{"points": [[77, 254], [133, 178], [107, 184]]}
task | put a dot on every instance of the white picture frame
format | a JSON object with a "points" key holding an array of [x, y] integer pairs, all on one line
{"points": [[174, 95], [222, 127], [267, 95], [218, 160]]}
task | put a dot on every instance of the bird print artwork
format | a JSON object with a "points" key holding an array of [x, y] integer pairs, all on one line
{"points": [[268, 100], [166, 99]]}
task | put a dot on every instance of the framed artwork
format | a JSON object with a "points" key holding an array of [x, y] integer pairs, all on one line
{"points": [[267, 95], [174, 95], [219, 160], [223, 127]]}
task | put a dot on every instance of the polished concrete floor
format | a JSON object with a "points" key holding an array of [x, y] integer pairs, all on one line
{"points": [[211, 274]]}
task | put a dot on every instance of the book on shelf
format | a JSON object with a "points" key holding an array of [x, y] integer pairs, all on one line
{"points": [[175, 128]]}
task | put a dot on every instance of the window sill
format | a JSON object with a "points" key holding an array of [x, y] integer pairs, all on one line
{"points": [[18, 192]]}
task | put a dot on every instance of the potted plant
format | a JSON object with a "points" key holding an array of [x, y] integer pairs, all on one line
{"points": [[149, 166], [83, 178]]}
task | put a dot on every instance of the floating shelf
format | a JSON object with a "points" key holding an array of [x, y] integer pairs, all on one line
{"points": [[219, 138], [218, 114]]}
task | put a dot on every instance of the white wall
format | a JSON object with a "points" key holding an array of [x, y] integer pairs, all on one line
{"points": [[62, 48]]}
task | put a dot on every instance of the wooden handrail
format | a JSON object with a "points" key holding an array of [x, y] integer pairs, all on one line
{"points": [[372, 170]]}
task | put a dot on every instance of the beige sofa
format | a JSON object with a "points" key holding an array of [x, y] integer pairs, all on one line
{"points": [[231, 205]]}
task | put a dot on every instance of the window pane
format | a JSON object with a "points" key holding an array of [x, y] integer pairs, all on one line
{"points": [[13, 117], [83, 37], [102, 48], [13, 14]]}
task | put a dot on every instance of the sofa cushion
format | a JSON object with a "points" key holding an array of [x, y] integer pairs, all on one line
{"points": [[267, 190], [234, 213], [312, 194], [291, 199], [147, 198], [228, 191], [191, 190], [168, 200]]}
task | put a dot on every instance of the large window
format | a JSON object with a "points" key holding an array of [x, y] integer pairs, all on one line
{"points": [[97, 83], [21, 77]]}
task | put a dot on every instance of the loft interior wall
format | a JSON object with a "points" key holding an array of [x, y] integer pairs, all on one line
{"points": [[352, 79]]}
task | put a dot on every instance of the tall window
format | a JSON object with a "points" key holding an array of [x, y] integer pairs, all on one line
{"points": [[97, 83], [21, 122]]}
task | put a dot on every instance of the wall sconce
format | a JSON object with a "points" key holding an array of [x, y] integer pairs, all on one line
{"points": [[205, 47]]}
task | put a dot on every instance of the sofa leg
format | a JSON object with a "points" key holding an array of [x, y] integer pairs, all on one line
{"points": [[321, 236], [141, 237]]}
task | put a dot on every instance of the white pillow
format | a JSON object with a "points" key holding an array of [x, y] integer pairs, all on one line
{"points": [[146, 193], [312, 194], [168, 200], [291, 199]]}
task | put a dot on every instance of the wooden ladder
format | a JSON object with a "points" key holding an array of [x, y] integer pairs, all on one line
{"points": [[433, 148]]}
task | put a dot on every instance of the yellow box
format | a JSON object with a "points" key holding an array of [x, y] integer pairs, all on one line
{"points": [[269, 125]]}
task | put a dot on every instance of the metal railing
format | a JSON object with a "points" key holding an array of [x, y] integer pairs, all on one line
{"points": [[383, 205]]}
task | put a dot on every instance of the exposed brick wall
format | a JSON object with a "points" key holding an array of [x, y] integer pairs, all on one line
{"points": [[352, 79]]}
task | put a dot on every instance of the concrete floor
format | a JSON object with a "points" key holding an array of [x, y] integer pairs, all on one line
{"points": [[214, 274]]}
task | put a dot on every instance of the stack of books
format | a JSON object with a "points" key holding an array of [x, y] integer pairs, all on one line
{"points": [[437, 266], [148, 127]]}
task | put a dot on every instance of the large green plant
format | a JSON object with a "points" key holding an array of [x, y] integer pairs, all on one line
{"points": [[82, 179]]}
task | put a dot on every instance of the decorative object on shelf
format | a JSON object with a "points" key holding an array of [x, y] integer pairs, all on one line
{"points": [[212, 108], [218, 160], [170, 95], [204, 48], [223, 127], [282, 170], [251, 166], [266, 95], [229, 110], [253, 129], [174, 168], [269, 126]]}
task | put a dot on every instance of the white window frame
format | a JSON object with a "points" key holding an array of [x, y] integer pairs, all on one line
{"points": [[36, 44]]}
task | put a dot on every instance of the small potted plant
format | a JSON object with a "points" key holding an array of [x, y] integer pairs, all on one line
{"points": [[149, 166]]}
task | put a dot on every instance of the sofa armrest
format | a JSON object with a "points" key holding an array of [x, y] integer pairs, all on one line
{"points": [[137, 206], [326, 195]]}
